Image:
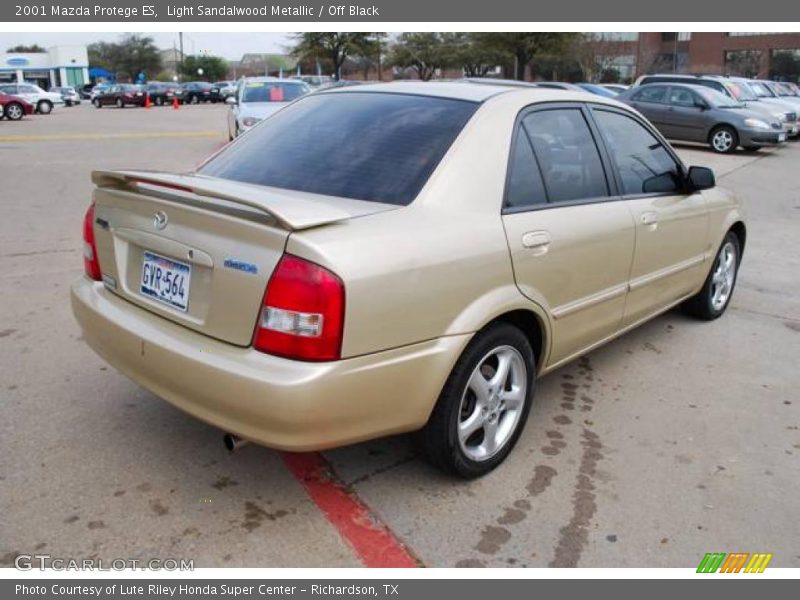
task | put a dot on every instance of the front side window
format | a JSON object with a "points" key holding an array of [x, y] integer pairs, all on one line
{"points": [[644, 165], [566, 154], [652, 93], [366, 146], [682, 97]]}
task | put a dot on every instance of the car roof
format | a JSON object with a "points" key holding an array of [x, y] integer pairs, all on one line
{"points": [[463, 89], [271, 79]]}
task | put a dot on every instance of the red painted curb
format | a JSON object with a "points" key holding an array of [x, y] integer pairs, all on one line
{"points": [[373, 541]]}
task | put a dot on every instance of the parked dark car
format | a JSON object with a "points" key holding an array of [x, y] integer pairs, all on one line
{"points": [[121, 95], [14, 108], [695, 113], [163, 93], [200, 91]]}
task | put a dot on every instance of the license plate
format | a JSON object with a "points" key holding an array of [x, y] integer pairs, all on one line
{"points": [[782, 137], [166, 280]]}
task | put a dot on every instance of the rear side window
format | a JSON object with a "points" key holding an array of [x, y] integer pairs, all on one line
{"points": [[644, 164], [367, 146], [566, 154], [652, 93], [525, 186]]}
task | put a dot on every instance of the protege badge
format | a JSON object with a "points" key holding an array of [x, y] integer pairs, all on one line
{"points": [[240, 265]]}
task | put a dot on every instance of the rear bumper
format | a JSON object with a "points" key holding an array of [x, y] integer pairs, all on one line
{"points": [[276, 402]]}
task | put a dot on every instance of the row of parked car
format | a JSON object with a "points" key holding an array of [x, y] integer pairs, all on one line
{"points": [[724, 112], [159, 93]]}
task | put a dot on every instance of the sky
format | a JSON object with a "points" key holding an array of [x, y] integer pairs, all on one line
{"points": [[227, 45]]}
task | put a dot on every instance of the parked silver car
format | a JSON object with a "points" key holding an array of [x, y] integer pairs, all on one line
{"points": [[696, 113], [68, 93], [259, 97]]}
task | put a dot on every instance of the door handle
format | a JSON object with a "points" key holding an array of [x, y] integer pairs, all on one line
{"points": [[649, 218], [538, 241]]}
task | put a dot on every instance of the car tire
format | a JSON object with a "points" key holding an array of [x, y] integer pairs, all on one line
{"points": [[44, 107], [712, 300], [96, 103], [474, 402], [723, 139], [120, 103], [13, 111]]}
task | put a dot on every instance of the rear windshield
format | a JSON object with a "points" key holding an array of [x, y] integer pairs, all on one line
{"points": [[367, 146], [272, 91]]}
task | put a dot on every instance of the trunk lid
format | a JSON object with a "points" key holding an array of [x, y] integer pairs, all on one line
{"points": [[197, 250]]}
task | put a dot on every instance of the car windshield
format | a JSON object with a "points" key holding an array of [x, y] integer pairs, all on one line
{"points": [[272, 91], [784, 90], [741, 92], [719, 100], [366, 146], [760, 90]]}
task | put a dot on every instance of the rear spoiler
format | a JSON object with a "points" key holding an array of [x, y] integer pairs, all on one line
{"points": [[292, 210]]}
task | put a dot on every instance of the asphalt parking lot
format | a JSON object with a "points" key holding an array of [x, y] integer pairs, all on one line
{"points": [[677, 439]]}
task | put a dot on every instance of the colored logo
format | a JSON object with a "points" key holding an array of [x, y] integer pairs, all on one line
{"points": [[17, 61], [240, 265], [737, 562]]}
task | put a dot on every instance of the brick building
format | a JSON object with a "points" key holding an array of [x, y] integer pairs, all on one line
{"points": [[752, 54]]}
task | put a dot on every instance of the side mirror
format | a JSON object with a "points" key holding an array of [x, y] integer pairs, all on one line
{"points": [[701, 178], [701, 105], [231, 100]]}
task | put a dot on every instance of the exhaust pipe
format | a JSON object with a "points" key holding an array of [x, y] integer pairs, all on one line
{"points": [[233, 443]]}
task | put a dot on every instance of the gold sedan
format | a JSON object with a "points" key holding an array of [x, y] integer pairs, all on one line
{"points": [[400, 257]]}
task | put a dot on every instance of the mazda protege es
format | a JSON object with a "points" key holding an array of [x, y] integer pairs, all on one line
{"points": [[400, 257]]}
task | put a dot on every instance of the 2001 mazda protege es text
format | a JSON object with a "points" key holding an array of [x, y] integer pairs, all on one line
{"points": [[399, 257]]}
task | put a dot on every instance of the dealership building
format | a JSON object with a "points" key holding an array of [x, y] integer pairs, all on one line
{"points": [[772, 55], [58, 65]]}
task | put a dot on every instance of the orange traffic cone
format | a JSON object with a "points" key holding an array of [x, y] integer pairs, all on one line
{"points": [[175, 104], [147, 103]]}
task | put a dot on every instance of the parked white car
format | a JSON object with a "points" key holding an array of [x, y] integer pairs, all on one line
{"points": [[259, 97], [43, 102]]}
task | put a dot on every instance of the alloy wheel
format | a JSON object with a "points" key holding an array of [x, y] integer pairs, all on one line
{"points": [[722, 140], [14, 112], [724, 276], [492, 403]]}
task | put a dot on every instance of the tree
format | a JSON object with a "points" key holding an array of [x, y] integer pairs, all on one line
{"points": [[524, 46], [22, 48], [334, 47], [475, 57], [425, 53], [132, 55], [213, 68], [596, 53]]}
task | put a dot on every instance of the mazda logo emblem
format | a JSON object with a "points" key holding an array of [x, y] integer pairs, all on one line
{"points": [[160, 219]]}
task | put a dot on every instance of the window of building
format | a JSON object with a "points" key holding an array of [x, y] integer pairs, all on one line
{"points": [[616, 36], [784, 65], [743, 63], [676, 36]]}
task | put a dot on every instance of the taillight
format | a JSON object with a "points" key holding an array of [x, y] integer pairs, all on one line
{"points": [[90, 262], [302, 316]]}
